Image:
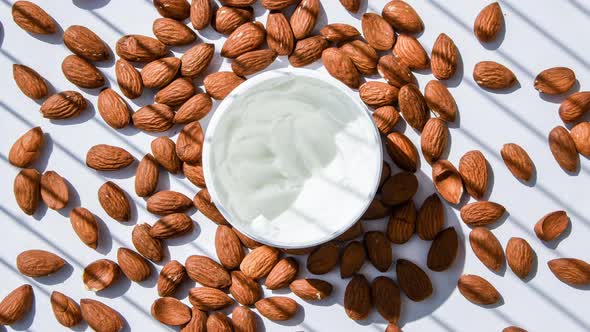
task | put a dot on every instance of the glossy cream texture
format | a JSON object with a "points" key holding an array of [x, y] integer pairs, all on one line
{"points": [[294, 160]]}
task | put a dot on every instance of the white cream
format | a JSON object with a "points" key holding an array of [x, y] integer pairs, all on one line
{"points": [[294, 160]]}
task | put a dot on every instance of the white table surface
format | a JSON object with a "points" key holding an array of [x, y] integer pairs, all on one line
{"points": [[539, 34]]}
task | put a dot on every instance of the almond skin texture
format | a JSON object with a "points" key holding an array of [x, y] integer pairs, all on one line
{"points": [[207, 272], [228, 247], [351, 5], [431, 218], [176, 9], [170, 311], [63, 105], [402, 223], [243, 319], [378, 94], [376, 210], [575, 107], [487, 248], [85, 225], [140, 48], [171, 276], [172, 225], [259, 262], [114, 201], [323, 259], [209, 299], [357, 298], [38, 263], [385, 296], [402, 151], [339, 32], [492, 75], [279, 35], [304, 18], [81, 72], [513, 329], [85, 43], [364, 57], [378, 250], [341, 67], [54, 191], [440, 101], [555, 81], [399, 188], [488, 23], [518, 161], [113, 109], [101, 317], [164, 150], [100, 274], [246, 37], [246, 241], [176, 93], [311, 289], [570, 270], [277, 308], [413, 106], [158, 73], [32, 18], [520, 256], [307, 51], [385, 173], [444, 58], [478, 290], [219, 85], [410, 52], [481, 213], [551, 225], [198, 322], [27, 185], [244, 289], [434, 139], [128, 79], [133, 265], [200, 13], [413, 281], [473, 168], [16, 305], [166, 202], [563, 149], [447, 181], [277, 4], [29, 81], [194, 109], [203, 203], [443, 250], [282, 274], [218, 321], [146, 176], [385, 118], [378, 33], [27, 148], [195, 60], [189, 144], [66, 311], [194, 173], [146, 245], [581, 135], [402, 17], [104, 157], [227, 19], [252, 62], [394, 72], [352, 259], [154, 118]]}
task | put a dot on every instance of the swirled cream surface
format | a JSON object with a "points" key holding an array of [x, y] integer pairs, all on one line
{"points": [[294, 160]]}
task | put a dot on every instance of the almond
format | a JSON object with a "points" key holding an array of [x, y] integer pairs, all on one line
{"points": [[81, 72], [444, 58], [402, 151], [282, 274], [200, 13], [27, 185], [176, 93], [378, 94], [298, 251], [570, 270], [146, 245], [410, 52], [219, 85], [353, 232], [194, 109], [279, 35], [307, 51], [277, 308], [85, 43], [563, 148], [166, 202], [246, 37], [129, 79], [447, 181], [402, 17], [66, 311], [357, 298], [196, 59], [492, 75], [194, 173], [259, 262], [27, 148], [85, 225], [207, 272], [487, 248], [323, 259], [431, 218], [385, 118], [29, 81], [385, 173], [277, 4], [518, 161], [32, 18], [172, 225], [386, 298], [555, 81], [394, 72], [402, 223], [440, 101], [364, 57], [38, 263], [520, 256], [551, 225], [133, 265], [114, 201], [393, 328], [244, 289], [311, 289], [54, 190], [478, 290], [203, 203], [413, 281], [513, 329], [339, 32], [341, 67], [172, 32], [158, 73], [170, 311], [304, 18], [399, 188], [352, 259], [378, 250], [252, 62], [575, 106], [146, 176], [176, 9], [581, 135], [227, 19], [228, 247], [413, 106], [101, 317], [378, 33], [63, 105], [17, 304], [100, 274], [154, 118], [246, 241], [164, 150], [473, 168], [376, 210], [481, 213], [443, 250], [104, 157], [243, 319], [209, 299], [140, 48], [488, 23], [351, 5], [218, 321], [113, 109], [434, 139], [171, 276]]}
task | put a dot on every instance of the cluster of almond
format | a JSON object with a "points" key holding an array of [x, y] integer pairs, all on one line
{"points": [[346, 56]]}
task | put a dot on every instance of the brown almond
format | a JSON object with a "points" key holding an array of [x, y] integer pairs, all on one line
{"points": [[311, 289], [570, 270], [282, 274], [218, 321], [207, 272], [38, 263], [357, 298], [158, 73], [402, 151], [447, 181], [518, 161], [443, 250], [513, 329], [434, 139], [481, 213], [246, 37], [170, 278], [101, 317], [170, 311], [146, 245], [113, 109], [351, 5], [279, 35], [575, 106], [166, 202], [114, 201], [164, 151], [176, 9], [563, 148], [488, 23], [277, 4], [227, 19], [172, 225], [581, 135], [66, 311], [378, 33], [376, 210], [444, 58], [243, 319], [353, 232], [27, 148], [154, 118], [63, 105], [431, 218], [323, 259], [413, 281], [32, 18], [440, 101], [203, 203], [194, 173], [339, 32], [378, 250], [399, 188], [478, 290], [100, 275], [196, 59], [81, 72], [304, 18], [252, 62], [244, 289], [277, 308], [228, 247], [140, 48], [104, 157], [307, 51], [402, 223], [133, 265], [200, 13], [194, 109], [385, 118], [520, 256], [487, 248], [146, 176], [26, 188], [386, 298], [176, 93], [209, 299], [555, 81], [394, 72], [492, 75], [352, 259], [410, 52], [54, 190], [85, 43], [364, 57], [259, 262], [402, 17], [219, 85], [16, 305], [551, 225], [473, 168], [341, 67], [413, 106], [246, 241], [29, 81], [378, 94], [85, 225], [128, 79]]}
